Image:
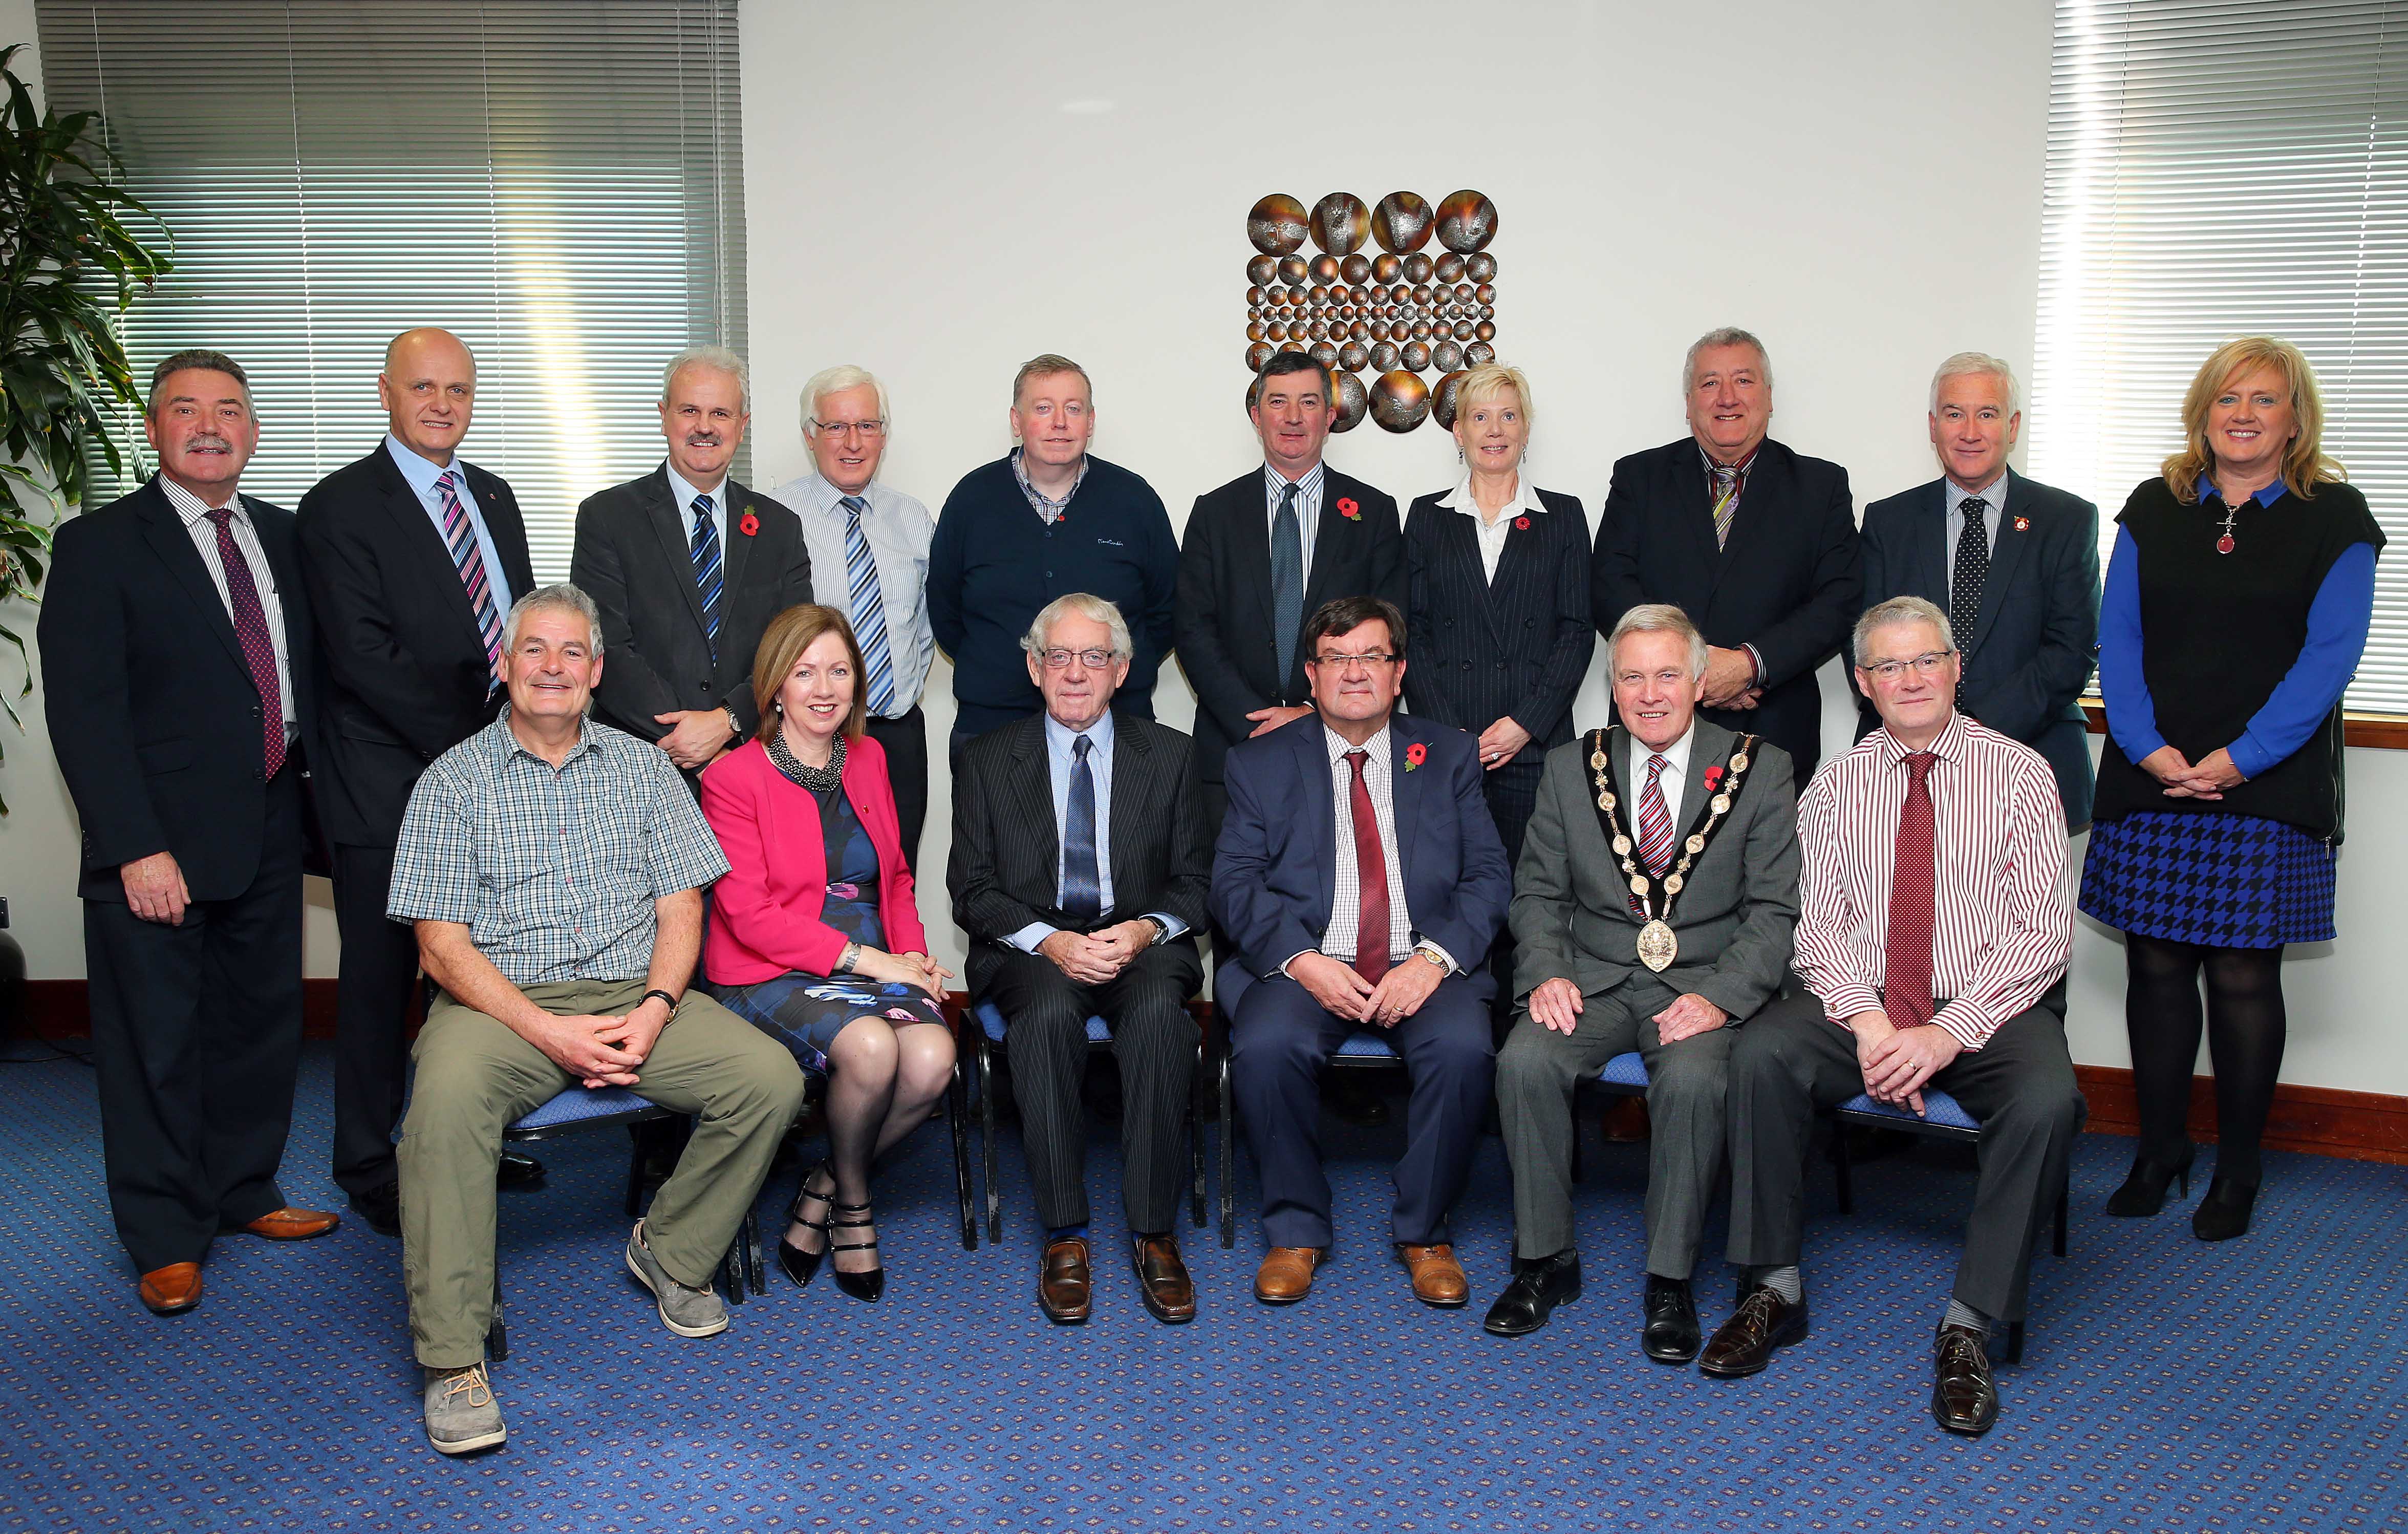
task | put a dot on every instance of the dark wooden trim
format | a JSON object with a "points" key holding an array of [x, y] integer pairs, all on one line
{"points": [[2319, 1119], [2375, 732], [61, 1009]]}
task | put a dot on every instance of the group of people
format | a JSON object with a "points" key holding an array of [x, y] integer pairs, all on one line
{"points": [[655, 827]]}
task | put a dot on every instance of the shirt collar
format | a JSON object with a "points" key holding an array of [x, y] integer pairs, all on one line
{"points": [[683, 494], [421, 474], [2267, 496], [191, 508], [1338, 745], [1277, 483], [1676, 755], [1994, 494], [1950, 747], [1060, 737], [506, 744], [1744, 466], [827, 497], [1525, 497], [1020, 472]]}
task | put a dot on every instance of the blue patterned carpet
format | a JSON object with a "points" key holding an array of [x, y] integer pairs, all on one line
{"points": [[2257, 1386]]}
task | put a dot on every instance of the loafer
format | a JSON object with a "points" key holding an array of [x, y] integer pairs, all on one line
{"points": [[1438, 1278], [381, 1207], [1670, 1335], [1162, 1279], [1537, 1287], [462, 1415], [292, 1224], [517, 1169], [1064, 1283], [171, 1290], [684, 1310], [1287, 1273], [1963, 1398], [1744, 1344]]}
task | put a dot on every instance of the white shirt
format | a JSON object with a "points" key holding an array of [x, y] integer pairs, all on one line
{"points": [[684, 494], [1525, 502], [1676, 778], [1308, 509], [898, 530], [421, 475], [204, 534]]}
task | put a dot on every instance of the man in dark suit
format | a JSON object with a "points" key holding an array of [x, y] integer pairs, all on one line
{"points": [[1358, 873], [1754, 542], [174, 640], [2022, 594], [1079, 873], [411, 556], [688, 567]]}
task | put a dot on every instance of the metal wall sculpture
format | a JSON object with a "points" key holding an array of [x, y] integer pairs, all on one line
{"points": [[1400, 313]]}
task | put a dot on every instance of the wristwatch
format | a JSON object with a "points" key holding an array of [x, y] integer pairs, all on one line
{"points": [[1424, 950], [1161, 929], [844, 961], [666, 1000], [735, 725]]}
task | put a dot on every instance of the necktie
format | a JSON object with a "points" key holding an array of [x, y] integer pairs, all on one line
{"points": [[1913, 900], [471, 560], [708, 577], [1372, 874], [1287, 584], [1083, 887], [258, 648], [1973, 571], [1725, 502], [1654, 819], [869, 608]]}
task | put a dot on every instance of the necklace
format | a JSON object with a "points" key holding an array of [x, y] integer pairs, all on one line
{"points": [[1659, 945], [2224, 544], [819, 780]]}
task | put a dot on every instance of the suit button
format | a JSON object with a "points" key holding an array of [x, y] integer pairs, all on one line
{"points": [[1467, 666], [1529, 622], [1500, 666]]}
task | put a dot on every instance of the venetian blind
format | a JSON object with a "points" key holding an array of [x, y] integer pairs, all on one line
{"points": [[2215, 169], [559, 181]]}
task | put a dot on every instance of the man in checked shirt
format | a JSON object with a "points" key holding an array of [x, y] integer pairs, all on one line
{"points": [[1935, 918]]}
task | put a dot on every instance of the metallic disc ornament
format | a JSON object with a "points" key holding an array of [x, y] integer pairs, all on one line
{"points": [[1340, 222], [1450, 268], [1276, 225], [1416, 356], [1446, 356], [1385, 356], [1352, 400], [1324, 354], [1355, 269], [1262, 270], [1443, 400], [1479, 268], [1386, 266], [1486, 330], [1399, 401], [1467, 222], [1478, 353], [1401, 222], [1324, 268], [1353, 356], [1293, 269], [1419, 267], [1657, 946], [1257, 355]]}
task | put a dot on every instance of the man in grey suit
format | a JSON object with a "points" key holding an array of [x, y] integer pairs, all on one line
{"points": [[1661, 933]]}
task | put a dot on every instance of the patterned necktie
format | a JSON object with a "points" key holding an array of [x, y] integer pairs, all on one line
{"points": [[1913, 903], [1654, 819], [1287, 584], [708, 577], [869, 608], [1973, 571], [1725, 502], [471, 560], [258, 648], [1082, 886], [1371, 873]]}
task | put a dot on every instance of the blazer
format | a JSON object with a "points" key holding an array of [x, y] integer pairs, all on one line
{"points": [[401, 658], [633, 555], [153, 711], [1789, 583], [1274, 874], [765, 914], [1007, 850], [2028, 653], [1736, 912], [1222, 616], [1517, 647]]}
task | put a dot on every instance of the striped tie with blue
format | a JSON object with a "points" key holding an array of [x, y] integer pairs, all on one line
{"points": [[708, 577], [869, 608]]}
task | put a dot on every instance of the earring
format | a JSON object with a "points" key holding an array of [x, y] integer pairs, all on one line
{"points": [[779, 704]]}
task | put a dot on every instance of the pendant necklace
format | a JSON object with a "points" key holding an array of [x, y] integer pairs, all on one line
{"points": [[2224, 544]]}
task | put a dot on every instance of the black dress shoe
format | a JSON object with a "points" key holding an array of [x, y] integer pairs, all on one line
{"points": [[2224, 1214], [1671, 1332], [381, 1207], [1744, 1344], [2144, 1192], [1963, 1399], [1540, 1284], [517, 1169]]}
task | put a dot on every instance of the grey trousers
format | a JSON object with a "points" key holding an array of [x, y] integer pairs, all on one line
{"points": [[1791, 1063], [475, 1076], [1536, 1072]]}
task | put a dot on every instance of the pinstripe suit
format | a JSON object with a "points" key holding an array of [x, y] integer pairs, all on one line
{"points": [[1003, 876]]}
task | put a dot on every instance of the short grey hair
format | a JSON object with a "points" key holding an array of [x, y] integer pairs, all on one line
{"points": [[1656, 618], [719, 359], [836, 381], [1891, 614], [562, 597], [1724, 335], [196, 357], [1977, 365], [1094, 608]]}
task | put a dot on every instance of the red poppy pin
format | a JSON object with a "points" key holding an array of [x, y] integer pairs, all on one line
{"points": [[1522, 523], [2022, 524], [1713, 778], [1415, 755], [750, 525], [1347, 508]]}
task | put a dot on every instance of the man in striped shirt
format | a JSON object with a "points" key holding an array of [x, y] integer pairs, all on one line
{"points": [[1937, 915]]}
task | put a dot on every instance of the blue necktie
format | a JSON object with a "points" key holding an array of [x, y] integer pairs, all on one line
{"points": [[1287, 584], [869, 608], [708, 577], [1083, 891]]}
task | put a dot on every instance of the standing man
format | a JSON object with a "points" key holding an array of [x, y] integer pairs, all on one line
{"points": [[1754, 542], [170, 639], [2015, 565], [1045, 520], [688, 567], [868, 549], [411, 555], [1264, 550]]}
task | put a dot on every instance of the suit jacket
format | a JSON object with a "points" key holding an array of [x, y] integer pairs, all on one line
{"points": [[2028, 653], [1222, 620], [153, 711], [1788, 583], [1517, 646], [634, 557], [1008, 849], [1274, 874], [402, 661], [765, 912], [1737, 909]]}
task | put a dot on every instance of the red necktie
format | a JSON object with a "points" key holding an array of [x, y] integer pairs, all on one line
{"points": [[1913, 900], [1372, 872], [258, 649], [1654, 819]]}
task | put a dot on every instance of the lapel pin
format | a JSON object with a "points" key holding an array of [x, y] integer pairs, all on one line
{"points": [[2022, 524]]}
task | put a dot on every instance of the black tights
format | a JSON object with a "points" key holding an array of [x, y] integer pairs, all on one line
{"points": [[2244, 1041]]}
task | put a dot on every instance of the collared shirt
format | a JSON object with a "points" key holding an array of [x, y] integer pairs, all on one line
{"points": [[2265, 495], [1308, 509], [1492, 535], [1061, 759], [204, 534], [1745, 467], [1676, 777], [1342, 940], [899, 531], [1994, 496], [2004, 913], [421, 475], [1038, 501], [553, 870], [683, 494]]}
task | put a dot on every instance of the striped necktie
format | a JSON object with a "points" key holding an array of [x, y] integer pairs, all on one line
{"points": [[1654, 819], [1082, 883], [869, 608], [461, 537], [708, 577], [1725, 502], [258, 645]]}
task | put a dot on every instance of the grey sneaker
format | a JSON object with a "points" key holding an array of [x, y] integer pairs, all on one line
{"points": [[688, 1313], [462, 1415]]}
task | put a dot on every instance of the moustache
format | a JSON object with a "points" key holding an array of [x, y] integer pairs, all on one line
{"points": [[702, 440], [207, 442]]}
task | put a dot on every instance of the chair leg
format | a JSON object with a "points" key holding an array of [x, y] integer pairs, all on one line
{"points": [[2014, 1341], [731, 1267], [755, 1276], [2058, 1245], [1842, 1186], [497, 1336], [1576, 1135], [986, 1130], [957, 1115], [1196, 1149], [635, 1178], [1228, 1156]]}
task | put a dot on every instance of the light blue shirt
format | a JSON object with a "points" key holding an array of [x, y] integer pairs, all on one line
{"points": [[421, 475], [1994, 496], [1061, 756], [900, 532], [684, 494]]}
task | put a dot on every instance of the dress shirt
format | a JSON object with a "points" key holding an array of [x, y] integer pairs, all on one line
{"points": [[1061, 756], [421, 475], [2003, 924], [1675, 780], [899, 530], [1043, 504], [204, 534], [1525, 503], [1745, 467], [684, 494], [1308, 509], [1341, 938], [1994, 496]]}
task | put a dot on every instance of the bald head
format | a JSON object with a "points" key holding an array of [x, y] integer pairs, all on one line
{"points": [[428, 388]]}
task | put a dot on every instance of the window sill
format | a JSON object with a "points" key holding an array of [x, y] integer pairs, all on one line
{"points": [[2375, 732]]}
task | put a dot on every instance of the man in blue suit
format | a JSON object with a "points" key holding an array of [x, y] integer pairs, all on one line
{"points": [[1348, 821], [2022, 596]]}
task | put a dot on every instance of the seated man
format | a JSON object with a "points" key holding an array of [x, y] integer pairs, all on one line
{"points": [[1936, 915], [1707, 820], [553, 868], [1358, 871], [1079, 872]]}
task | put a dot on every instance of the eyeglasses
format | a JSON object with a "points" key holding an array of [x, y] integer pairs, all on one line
{"points": [[1926, 665], [859, 428], [1373, 658], [1093, 660]]}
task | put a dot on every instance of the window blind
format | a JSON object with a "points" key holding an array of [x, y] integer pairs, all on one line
{"points": [[559, 181], [2217, 169]]}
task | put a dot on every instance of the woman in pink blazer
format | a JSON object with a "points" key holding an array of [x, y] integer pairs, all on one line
{"points": [[814, 935]]}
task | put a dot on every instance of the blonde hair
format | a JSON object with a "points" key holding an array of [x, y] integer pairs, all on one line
{"points": [[1488, 380], [2304, 463], [782, 644]]}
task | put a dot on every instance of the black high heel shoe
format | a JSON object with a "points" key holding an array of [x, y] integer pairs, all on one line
{"points": [[2224, 1214], [869, 1285], [795, 1262], [2144, 1192]]}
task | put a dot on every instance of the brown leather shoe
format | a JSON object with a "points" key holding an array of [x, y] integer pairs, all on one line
{"points": [[1438, 1278], [1162, 1279], [172, 1290], [1963, 1398], [1286, 1274], [294, 1224], [1744, 1344], [1064, 1286]]}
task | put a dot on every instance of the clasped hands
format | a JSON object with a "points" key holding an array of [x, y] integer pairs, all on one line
{"points": [[1557, 1004], [697, 736], [1343, 991], [1091, 958], [1730, 680], [1899, 1062], [600, 1050], [2214, 774]]}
